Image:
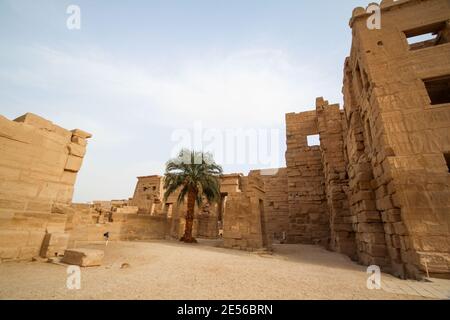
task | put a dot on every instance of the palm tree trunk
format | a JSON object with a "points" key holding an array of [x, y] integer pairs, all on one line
{"points": [[192, 195]]}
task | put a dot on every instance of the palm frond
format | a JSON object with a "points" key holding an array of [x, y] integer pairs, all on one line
{"points": [[193, 171]]}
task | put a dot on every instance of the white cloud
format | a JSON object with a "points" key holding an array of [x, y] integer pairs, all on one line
{"points": [[122, 103], [246, 88]]}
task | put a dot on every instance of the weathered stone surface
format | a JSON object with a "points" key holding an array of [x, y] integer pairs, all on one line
{"points": [[244, 216], [73, 163], [394, 140], [276, 206], [54, 244], [82, 134], [33, 156]]}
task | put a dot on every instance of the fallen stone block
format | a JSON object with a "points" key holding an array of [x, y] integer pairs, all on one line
{"points": [[83, 257]]}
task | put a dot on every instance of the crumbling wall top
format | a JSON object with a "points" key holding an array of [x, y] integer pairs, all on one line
{"points": [[385, 5], [44, 124]]}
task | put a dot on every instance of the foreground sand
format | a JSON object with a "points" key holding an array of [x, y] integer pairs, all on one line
{"points": [[172, 270]]}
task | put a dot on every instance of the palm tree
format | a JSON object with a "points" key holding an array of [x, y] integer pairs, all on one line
{"points": [[196, 176]]}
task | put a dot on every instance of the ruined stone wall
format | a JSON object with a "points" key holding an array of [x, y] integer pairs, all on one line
{"points": [[244, 222], [88, 226], [149, 198], [329, 119], [380, 177], [39, 162], [367, 223], [308, 217], [396, 139], [377, 188], [276, 205], [205, 224]]}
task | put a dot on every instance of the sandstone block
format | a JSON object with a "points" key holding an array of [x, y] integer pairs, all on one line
{"points": [[35, 120], [83, 257], [9, 252], [76, 150], [81, 134], [69, 177], [80, 141], [127, 210], [13, 238], [73, 163]]}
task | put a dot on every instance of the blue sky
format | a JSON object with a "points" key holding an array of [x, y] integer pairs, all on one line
{"points": [[138, 73]]}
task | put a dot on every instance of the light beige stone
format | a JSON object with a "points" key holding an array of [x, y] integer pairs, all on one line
{"points": [[73, 163]]}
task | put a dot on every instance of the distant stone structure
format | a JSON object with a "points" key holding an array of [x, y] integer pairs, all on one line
{"points": [[240, 211]]}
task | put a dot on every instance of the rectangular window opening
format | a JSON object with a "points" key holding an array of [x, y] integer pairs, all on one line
{"points": [[428, 36], [438, 89], [313, 140]]}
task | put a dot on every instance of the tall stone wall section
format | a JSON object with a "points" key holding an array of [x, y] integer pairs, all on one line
{"points": [[402, 135], [244, 221], [276, 206], [367, 222], [39, 162], [308, 216], [329, 119]]}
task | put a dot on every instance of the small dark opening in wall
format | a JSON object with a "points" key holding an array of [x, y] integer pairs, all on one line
{"points": [[365, 80], [438, 89], [369, 135], [358, 78], [428, 36], [447, 160]]}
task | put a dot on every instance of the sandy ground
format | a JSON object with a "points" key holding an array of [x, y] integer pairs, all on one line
{"points": [[172, 270]]}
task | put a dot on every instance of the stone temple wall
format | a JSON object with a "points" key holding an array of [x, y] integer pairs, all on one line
{"points": [[89, 225], [380, 176], [244, 221], [329, 121], [308, 218], [377, 187], [39, 162], [276, 206], [397, 107]]}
